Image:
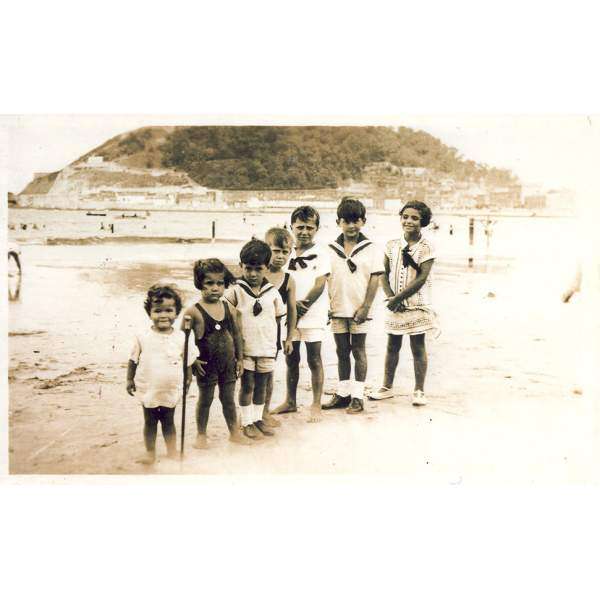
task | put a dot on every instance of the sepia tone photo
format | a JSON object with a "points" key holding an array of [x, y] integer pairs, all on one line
{"points": [[415, 298]]}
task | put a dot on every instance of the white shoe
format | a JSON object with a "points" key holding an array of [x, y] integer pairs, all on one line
{"points": [[419, 398], [381, 394]]}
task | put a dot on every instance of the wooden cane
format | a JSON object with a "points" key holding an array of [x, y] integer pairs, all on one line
{"points": [[187, 327]]}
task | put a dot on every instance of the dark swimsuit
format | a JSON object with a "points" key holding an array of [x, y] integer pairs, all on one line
{"points": [[217, 348]]}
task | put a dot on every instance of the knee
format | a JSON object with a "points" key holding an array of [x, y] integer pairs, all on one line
{"points": [[343, 352], [293, 359], [359, 354], [315, 362], [394, 344]]}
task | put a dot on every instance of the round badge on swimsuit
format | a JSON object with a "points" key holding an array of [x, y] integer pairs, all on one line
{"points": [[217, 327]]}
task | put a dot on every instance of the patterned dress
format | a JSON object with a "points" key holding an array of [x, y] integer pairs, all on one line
{"points": [[418, 315]]}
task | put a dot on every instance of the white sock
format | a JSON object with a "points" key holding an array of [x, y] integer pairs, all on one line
{"points": [[258, 412], [358, 389], [246, 415], [343, 388]]}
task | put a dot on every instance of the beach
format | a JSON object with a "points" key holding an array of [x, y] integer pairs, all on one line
{"points": [[502, 381]]}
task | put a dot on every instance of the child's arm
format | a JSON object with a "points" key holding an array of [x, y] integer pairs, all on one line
{"points": [[131, 369], [396, 301], [238, 340], [198, 329], [360, 316], [292, 315], [385, 279], [313, 295]]}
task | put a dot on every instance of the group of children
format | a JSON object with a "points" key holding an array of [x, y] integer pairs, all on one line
{"points": [[290, 289]]}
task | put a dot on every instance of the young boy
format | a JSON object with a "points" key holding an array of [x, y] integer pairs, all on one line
{"points": [[260, 306], [310, 266], [156, 359], [356, 266], [280, 242]]}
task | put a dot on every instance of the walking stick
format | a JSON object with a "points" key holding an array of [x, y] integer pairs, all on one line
{"points": [[187, 326]]}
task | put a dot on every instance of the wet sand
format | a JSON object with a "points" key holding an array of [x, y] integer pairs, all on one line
{"points": [[500, 383]]}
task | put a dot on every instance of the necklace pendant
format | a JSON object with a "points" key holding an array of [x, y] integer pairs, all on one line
{"points": [[217, 327]]}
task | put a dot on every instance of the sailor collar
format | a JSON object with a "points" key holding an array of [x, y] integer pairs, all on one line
{"points": [[338, 248], [265, 286]]}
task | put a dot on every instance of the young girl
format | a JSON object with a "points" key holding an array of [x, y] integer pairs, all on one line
{"points": [[220, 346], [280, 241], [407, 285], [156, 360]]}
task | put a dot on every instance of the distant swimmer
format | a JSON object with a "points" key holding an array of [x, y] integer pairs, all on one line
{"points": [[101, 226], [112, 227], [451, 230]]}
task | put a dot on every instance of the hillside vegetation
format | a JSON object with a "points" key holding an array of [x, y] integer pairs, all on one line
{"points": [[260, 157]]}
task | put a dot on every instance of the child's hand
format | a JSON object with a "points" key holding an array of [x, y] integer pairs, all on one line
{"points": [[302, 308], [395, 304], [131, 387], [360, 316], [198, 365], [288, 347], [239, 367]]}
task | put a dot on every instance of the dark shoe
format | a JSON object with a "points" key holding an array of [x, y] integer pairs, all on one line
{"points": [[356, 406], [251, 431], [337, 402], [260, 425]]}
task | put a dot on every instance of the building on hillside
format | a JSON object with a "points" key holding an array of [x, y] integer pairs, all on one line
{"points": [[534, 201]]}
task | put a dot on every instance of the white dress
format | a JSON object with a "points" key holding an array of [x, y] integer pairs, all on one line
{"points": [[418, 316]]}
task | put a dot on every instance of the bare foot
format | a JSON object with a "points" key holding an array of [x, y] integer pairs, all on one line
{"points": [[172, 454], [270, 421], [286, 407], [236, 438], [201, 442], [315, 413], [148, 459]]}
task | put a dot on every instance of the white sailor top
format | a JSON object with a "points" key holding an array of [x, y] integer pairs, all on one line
{"points": [[350, 274], [259, 314]]}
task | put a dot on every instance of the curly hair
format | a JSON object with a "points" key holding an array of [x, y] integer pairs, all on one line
{"points": [[255, 252], [305, 213], [422, 208], [157, 293], [210, 265]]}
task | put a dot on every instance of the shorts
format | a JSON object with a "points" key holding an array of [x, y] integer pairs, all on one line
{"points": [[222, 374], [347, 325], [309, 334], [259, 364]]}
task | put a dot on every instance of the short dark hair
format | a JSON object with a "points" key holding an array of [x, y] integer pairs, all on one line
{"points": [[279, 236], [305, 213], [255, 252], [157, 293], [210, 265], [351, 209], [423, 209]]}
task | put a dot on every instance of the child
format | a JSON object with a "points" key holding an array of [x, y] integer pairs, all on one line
{"points": [[311, 267], [407, 285], [280, 241], [220, 345], [260, 306], [156, 359], [356, 266]]}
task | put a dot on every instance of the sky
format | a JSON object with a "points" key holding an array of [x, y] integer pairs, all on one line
{"points": [[553, 151]]}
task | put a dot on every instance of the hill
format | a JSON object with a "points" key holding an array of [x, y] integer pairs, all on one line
{"points": [[260, 157]]}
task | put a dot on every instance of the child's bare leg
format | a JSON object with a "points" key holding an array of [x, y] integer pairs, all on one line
{"points": [[226, 396], [293, 373], [168, 430], [150, 428], [258, 401], [342, 349], [417, 345], [246, 393], [267, 417], [205, 398], [360, 356], [391, 359], [315, 364]]}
